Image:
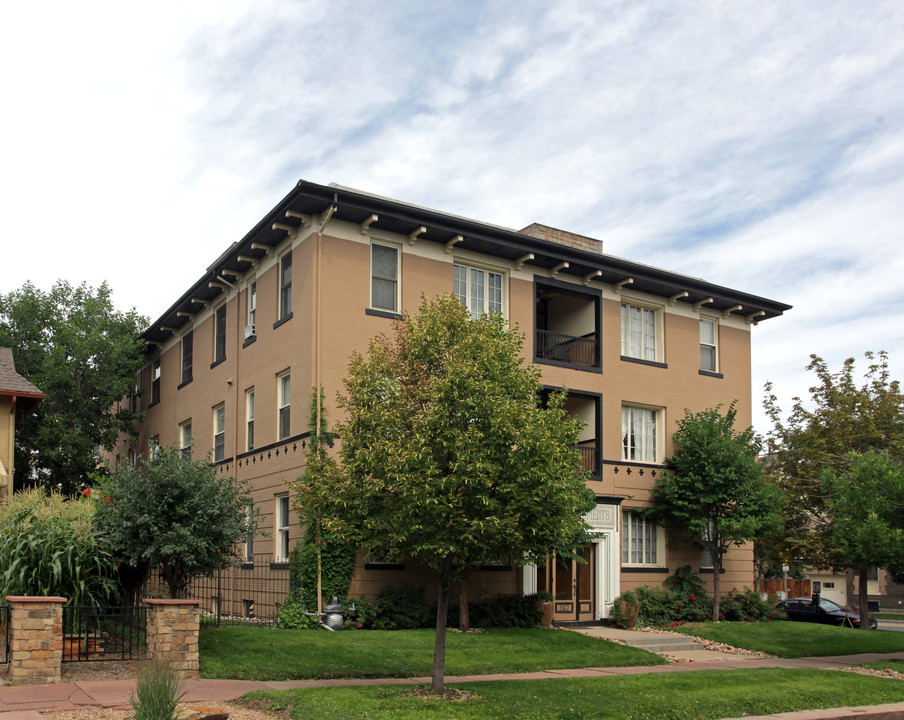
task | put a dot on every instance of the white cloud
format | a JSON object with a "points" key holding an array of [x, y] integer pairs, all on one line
{"points": [[756, 144]]}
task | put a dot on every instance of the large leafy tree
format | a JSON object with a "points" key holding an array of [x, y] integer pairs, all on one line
{"points": [[715, 492], [175, 514], [447, 456], [865, 501], [83, 354], [841, 416]]}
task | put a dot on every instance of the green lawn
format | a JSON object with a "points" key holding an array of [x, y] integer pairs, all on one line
{"points": [[896, 665], [698, 695], [267, 654], [788, 639]]}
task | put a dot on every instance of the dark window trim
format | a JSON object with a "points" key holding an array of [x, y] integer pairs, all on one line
{"points": [[249, 341], [598, 399], [384, 566], [491, 568], [710, 373], [284, 565], [571, 366], [709, 571], [217, 362], [383, 314], [247, 564], [222, 462], [182, 385], [637, 569], [282, 320], [574, 290], [155, 402], [641, 361]]}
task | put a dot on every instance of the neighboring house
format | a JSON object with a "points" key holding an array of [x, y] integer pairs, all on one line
{"points": [[843, 588], [231, 365], [17, 397]]}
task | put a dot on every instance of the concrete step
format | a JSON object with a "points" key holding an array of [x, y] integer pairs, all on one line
{"points": [[663, 643]]}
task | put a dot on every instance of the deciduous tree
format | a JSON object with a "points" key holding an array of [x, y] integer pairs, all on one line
{"points": [[714, 492], [839, 417], [83, 354], [865, 501], [448, 457], [174, 513]]}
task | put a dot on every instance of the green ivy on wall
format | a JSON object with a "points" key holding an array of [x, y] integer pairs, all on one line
{"points": [[337, 562]]}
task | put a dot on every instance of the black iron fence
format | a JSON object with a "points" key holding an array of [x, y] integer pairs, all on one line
{"points": [[4, 634], [250, 593], [92, 634]]}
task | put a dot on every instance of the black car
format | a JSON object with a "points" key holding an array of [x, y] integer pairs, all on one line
{"points": [[825, 611]]}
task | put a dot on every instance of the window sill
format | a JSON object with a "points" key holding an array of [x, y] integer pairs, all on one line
{"points": [[643, 569], [710, 373], [249, 341], [383, 313], [282, 320], [709, 571], [641, 361], [384, 566], [248, 565], [182, 385], [217, 362], [155, 402], [279, 565]]}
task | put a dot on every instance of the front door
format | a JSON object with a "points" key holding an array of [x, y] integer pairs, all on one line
{"points": [[572, 585]]}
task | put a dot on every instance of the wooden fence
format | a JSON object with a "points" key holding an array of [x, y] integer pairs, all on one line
{"points": [[796, 588]]}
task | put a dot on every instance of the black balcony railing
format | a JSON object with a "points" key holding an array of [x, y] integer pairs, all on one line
{"points": [[588, 457], [567, 348]]}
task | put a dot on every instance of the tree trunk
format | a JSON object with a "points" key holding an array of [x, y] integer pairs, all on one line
{"points": [[438, 683], [717, 571], [863, 600], [464, 619]]}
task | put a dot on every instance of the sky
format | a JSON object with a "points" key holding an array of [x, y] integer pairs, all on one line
{"points": [[758, 145]]}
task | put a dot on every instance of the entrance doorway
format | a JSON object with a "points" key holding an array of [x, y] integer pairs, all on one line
{"points": [[572, 585]]}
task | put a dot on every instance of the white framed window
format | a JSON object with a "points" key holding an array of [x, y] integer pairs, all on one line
{"points": [[252, 303], [248, 554], [281, 553], [187, 353], [641, 539], [249, 419], [384, 277], [709, 356], [155, 382], [185, 439], [153, 447], [284, 405], [640, 433], [219, 334], [133, 457], [478, 290], [285, 285], [219, 432], [640, 332]]}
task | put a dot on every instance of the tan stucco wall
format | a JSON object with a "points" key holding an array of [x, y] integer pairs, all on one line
{"points": [[7, 444]]}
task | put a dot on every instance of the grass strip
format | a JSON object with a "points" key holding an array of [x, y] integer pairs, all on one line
{"points": [[271, 654], [699, 695], [786, 639]]}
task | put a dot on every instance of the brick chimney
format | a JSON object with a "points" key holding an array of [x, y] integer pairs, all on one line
{"points": [[563, 237]]}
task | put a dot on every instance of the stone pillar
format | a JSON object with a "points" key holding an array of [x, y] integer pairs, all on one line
{"points": [[172, 634], [35, 639]]}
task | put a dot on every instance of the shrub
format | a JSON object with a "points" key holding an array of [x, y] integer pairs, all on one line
{"points": [[659, 607], [620, 614], [503, 611], [402, 608], [49, 545], [293, 616], [156, 691], [747, 605]]}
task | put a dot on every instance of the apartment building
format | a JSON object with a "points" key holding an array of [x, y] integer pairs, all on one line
{"points": [[232, 363]]}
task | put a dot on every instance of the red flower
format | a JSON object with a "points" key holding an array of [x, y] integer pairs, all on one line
{"points": [[86, 492], [693, 598], [108, 500]]}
